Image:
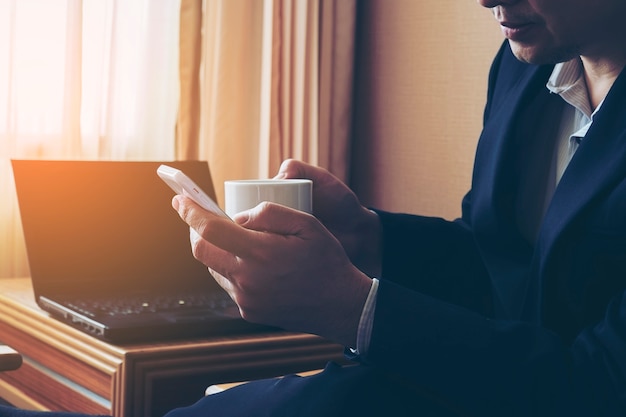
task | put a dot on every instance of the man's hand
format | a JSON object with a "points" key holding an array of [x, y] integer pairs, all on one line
{"points": [[339, 209], [282, 267]]}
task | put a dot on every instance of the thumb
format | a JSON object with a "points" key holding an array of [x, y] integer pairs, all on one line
{"points": [[293, 168]]}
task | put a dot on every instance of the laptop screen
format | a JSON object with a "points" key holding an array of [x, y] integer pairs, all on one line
{"points": [[105, 226]]}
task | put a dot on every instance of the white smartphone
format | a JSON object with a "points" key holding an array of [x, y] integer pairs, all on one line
{"points": [[183, 185]]}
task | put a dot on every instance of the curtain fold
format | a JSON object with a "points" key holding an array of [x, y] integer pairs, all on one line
{"points": [[294, 117], [338, 32], [275, 82], [230, 92], [189, 61], [72, 81]]}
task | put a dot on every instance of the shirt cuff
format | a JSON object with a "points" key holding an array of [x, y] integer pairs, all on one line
{"points": [[366, 323]]}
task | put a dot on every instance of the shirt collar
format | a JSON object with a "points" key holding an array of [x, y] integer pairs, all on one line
{"points": [[567, 81]]}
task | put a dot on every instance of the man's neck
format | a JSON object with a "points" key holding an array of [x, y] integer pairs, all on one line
{"points": [[600, 74]]}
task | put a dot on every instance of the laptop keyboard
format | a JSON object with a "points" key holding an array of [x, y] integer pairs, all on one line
{"points": [[218, 303]]}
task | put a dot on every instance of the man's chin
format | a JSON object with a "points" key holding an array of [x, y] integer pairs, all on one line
{"points": [[536, 55]]}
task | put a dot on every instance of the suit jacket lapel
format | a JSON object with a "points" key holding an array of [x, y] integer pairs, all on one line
{"points": [[496, 185], [599, 162], [495, 176]]}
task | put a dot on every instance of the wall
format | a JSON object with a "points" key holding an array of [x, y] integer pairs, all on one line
{"points": [[422, 69]]}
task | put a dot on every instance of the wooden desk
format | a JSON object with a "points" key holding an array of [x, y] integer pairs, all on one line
{"points": [[65, 369]]}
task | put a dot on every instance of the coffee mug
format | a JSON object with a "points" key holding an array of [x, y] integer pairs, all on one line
{"points": [[240, 195]]}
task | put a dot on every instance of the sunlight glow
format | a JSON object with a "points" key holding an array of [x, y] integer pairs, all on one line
{"points": [[34, 63], [102, 72]]}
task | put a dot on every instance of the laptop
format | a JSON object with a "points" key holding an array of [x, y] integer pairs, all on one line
{"points": [[109, 256]]}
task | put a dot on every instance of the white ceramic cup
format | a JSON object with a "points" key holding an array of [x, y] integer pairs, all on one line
{"points": [[240, 195]]}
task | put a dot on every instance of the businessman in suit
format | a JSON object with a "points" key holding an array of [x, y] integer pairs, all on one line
{"points": [[518, 308]]}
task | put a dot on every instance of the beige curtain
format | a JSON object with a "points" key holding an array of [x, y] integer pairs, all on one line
{"points": [[82, 80], [275, 82]]}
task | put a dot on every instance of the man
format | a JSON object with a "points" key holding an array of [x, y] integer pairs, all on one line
{"points": [[516, 309]]}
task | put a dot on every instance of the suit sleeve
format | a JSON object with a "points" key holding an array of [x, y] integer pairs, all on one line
{"points": [[494, 367], [449, 267]]}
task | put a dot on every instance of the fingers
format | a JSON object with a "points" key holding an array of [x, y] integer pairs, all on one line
{"points": [[221, 260], [230, 236], [327, 188], [220, 231], [276, 219], [224, 282]]}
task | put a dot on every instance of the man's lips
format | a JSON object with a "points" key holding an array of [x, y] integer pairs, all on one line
{"points": [[514, 31]]}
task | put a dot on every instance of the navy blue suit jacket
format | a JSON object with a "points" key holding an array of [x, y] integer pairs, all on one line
{"points": [[497, 323]]}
